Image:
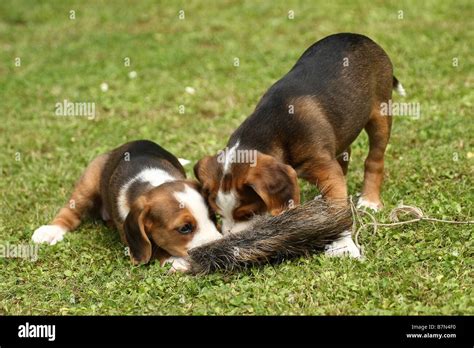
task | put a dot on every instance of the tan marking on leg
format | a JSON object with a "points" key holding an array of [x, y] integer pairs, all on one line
{"points": [[378, 129], [329, 178]]}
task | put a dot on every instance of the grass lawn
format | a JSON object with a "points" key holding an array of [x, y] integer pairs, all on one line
{"points": [[423, 268]]}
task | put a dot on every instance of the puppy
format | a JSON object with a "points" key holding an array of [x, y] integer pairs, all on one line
{"points": [[303, 127], [141, 189]]}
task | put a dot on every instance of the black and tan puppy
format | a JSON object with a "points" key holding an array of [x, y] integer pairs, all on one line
{"points": [[141, 189], [304, 126]]}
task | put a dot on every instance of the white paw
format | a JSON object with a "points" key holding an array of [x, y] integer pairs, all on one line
{"points": [[178, 264], [50, 234], [364, 203], [344, 246], [318, 197]]}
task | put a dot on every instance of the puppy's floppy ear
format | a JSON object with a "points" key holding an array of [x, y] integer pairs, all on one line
{"points": [[276, 183], [207, 171], [135, 235]]}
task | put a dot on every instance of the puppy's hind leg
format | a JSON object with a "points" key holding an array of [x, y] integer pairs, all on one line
{"points": [[85, 196], [378, 129]]}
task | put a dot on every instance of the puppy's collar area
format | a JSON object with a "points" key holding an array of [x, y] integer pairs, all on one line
{"points": [[154, 176]]}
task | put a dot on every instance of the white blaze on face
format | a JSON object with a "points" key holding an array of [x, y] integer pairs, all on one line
{"points": [[230, 157], [227, 202], [206, 230]]}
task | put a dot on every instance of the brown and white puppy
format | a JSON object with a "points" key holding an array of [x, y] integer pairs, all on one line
{"points": [[304, 126], [141, 189]]}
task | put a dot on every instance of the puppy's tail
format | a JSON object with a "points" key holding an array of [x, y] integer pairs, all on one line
{"points": [[398, 87], [306, 229]]}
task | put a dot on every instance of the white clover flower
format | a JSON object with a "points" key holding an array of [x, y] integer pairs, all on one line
{"points": [[190, 90], [104, 87]]}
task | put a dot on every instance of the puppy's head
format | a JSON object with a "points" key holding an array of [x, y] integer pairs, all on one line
{"points": [[173, 216], [239, 191]]}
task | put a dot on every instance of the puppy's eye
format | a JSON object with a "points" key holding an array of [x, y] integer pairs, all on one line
{"points": [[185, 229]]}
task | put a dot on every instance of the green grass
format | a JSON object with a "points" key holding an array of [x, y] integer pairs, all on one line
{"points": [[416, 269]]}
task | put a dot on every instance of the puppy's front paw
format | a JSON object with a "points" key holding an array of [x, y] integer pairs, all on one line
{"points": [[50, 234], [344, 246], [366, 204], [178, 264]]}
